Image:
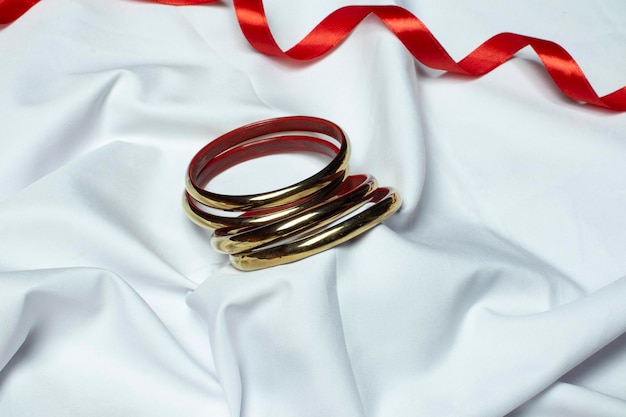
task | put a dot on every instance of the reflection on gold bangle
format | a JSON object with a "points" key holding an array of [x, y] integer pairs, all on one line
{"points": [[358, 191], [388, 202]]}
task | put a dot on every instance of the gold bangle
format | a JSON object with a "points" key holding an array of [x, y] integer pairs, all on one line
{"points": [[387, 201], [255, 218], [350, 196]]}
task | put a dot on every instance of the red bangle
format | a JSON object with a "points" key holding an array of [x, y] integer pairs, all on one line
{"points": [[272, 135]]}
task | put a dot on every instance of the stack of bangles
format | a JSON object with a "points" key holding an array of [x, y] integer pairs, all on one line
{"points": [[291, 223]]}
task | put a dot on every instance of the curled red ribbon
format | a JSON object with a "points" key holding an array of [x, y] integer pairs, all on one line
{"points": [[415, 36], [421, 43]]}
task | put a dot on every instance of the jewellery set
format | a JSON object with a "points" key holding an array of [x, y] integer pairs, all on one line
{"points": [[294, 222]]}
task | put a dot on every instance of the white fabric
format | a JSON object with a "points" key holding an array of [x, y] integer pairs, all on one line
{"points": [[497, 290]]}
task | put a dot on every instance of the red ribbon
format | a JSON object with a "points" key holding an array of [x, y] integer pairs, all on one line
{"points": [[420, 42], [10, 10]]}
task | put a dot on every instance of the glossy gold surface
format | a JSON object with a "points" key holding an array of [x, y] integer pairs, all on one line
{"points": [[319, 241], [237, 240]]}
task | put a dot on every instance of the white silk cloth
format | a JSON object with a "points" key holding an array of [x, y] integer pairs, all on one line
{"points": [[499, 289]]}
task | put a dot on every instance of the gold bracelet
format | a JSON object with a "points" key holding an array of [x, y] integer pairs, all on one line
{"points": [[350, 196], [387, 201]]}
